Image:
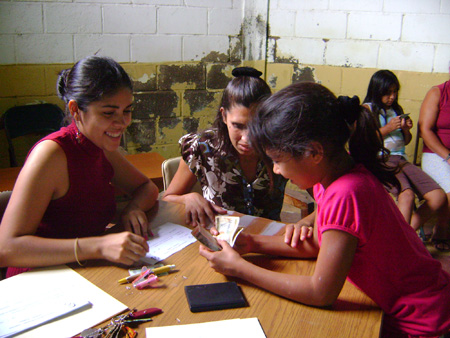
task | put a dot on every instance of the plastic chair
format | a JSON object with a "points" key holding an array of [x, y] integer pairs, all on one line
{"points": [[169, 168], [30, 119]]}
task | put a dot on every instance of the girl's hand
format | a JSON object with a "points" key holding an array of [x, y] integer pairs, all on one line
{"points": [[135, 220], [407, 124], [199, 211], [225, 261], [296, 233], [244, 243], [125, 248], [395, 123]]}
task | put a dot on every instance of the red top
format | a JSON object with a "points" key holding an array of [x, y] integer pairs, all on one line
{"points": [[442, 128], [89, 205], [391, 265]]}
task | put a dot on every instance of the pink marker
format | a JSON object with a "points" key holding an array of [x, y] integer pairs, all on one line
{"points": [[149, 281]]}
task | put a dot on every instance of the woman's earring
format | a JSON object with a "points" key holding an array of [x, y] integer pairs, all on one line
{"points": [[78, 135]]}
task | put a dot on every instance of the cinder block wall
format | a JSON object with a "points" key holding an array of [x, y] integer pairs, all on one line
{"points": [[180, 52]]}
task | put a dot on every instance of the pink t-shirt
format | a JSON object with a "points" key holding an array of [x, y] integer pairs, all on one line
{"points": [[443, 120], [391, 264]]}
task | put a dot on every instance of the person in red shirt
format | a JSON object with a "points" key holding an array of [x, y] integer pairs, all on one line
{"points": [[63, 198]]}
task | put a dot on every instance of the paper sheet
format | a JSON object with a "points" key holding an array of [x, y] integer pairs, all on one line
{"points": [[20, 294], [235, 328], [167, 239], [272, 228]]}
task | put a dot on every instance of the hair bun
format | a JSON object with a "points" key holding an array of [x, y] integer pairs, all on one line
{"points": [[246, 71], [349, 108], [61, 84]]}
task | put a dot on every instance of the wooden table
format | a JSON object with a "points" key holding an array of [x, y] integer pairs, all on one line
{"points": [[353, 314], [148, 163]]}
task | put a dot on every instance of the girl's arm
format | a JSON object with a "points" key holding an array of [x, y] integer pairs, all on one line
{"points": [[143, 191], [199, 211], [321, 289], [45, 177], [429, 112], [406, 125], [394, 123]]}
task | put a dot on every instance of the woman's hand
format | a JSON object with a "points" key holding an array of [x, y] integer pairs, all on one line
{"points": [[125, 248], [199, 211], [297, 232], [135, 220], [225, 261]]}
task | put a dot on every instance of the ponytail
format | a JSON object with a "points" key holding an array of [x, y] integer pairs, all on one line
{"points": [[294, 117]]}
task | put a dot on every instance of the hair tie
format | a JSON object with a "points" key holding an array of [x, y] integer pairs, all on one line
{"points": [[349, 108], [246, 71]]}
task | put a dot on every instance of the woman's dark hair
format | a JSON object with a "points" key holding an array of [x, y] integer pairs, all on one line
{"points": [[291, 119], [245, 89], [379, 85], [92, 79]]}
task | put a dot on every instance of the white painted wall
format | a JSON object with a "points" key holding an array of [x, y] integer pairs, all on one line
{"points": [[411, 35], [65, 31]]}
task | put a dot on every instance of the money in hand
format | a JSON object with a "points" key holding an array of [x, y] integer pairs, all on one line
{"points": [[228, 228]]}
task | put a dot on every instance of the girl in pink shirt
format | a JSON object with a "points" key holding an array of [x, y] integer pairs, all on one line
{"points": [[359, 233]]}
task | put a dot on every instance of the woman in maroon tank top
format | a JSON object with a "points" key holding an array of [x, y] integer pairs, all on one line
{"points": [[64, 196]]}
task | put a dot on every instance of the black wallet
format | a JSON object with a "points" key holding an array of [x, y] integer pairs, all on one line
{"points": [[216, 296]]}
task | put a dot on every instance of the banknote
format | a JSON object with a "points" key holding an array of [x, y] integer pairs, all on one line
{"points": [[228, 228]]}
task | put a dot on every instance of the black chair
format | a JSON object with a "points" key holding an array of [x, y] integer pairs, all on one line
{"points": [[40, 119]]}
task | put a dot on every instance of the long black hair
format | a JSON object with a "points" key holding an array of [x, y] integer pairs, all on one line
{"points": [[245, 89], [90, 80], [289, 120], [379, 85]]}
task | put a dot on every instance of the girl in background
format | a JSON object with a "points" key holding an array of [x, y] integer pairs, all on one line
{"points": [[394, 126], [232, 175], [64, 198], [359, 232]]}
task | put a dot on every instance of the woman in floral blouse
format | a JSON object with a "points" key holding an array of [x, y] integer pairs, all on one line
{"points": [[232, 175]]}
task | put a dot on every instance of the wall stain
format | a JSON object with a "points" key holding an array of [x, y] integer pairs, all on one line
{"points": [[160, 103], [305, 74], [218, 76], [190, 76], [198, 100]]}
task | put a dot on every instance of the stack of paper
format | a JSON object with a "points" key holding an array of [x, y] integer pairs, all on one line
{"points": [[52, 302]]}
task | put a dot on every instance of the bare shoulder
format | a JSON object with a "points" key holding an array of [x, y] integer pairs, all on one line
{"points": [[47, 161]]}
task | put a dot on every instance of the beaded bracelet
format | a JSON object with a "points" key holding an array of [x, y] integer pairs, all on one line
{"points": [[447, 158], [75, 249]]}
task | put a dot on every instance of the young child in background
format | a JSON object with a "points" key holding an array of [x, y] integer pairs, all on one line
{"points": [[64, 196], [232, 175], [359, 232], [394, 125]]}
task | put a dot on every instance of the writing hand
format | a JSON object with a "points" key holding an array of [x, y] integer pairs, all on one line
{"points": [[125, 248]]}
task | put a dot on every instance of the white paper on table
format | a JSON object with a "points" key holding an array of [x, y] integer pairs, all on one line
{"points": [[246, 220], [167, 239], [26, 289], [236, 328], [272, 228]]}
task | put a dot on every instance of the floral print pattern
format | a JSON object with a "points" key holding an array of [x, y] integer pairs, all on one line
{"points": [[223, 182]]}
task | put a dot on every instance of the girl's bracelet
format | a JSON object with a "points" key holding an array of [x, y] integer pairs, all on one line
{"points": [[447, 158]]}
